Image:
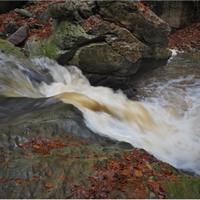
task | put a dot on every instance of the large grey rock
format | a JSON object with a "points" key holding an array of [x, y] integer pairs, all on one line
{"points": [[101, 58], [150, 28]]}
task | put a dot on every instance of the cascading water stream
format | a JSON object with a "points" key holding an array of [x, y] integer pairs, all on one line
{"points": [[165, 122]]}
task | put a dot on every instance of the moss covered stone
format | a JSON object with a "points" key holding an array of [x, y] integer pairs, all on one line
{"points": [[101, 58], [65, 37], [186, 189], [9, 48]]}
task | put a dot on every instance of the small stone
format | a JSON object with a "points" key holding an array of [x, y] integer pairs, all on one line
{"points": [[37, 26], [20, 24], [11, 28], [23, 12], [44, 17], [19, 36]]}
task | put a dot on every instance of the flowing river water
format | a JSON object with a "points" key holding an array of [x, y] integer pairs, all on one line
{"points": [[164, 117]]}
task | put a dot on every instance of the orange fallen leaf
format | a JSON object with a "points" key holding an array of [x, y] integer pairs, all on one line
{"points": [[61, 177], [138, 173], [47, 186], [34, 178], [6, 163], [72, 140], [89, 156], [37, 38], [4, 180], [36, 146], [68, 180], [19, 180], [75, 145], [38, 168], [66, 137], [61, 1], [68, 155], [95, 167], [28, 154], [2, 160], [127, 158], [82, 142], [48, 171]]}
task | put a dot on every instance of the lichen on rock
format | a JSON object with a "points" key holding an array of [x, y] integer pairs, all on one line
{"points": [[8, 48]]}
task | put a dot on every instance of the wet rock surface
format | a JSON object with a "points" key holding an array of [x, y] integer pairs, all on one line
{"points": [[54, 155]]}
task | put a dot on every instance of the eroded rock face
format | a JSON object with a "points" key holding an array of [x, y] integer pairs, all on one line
{"points": [[178, 14], [146, 26], [106, 38]]}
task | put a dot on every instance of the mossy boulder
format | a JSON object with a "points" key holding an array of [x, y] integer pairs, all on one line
{"points": [[101, 58], [66, 37], [8, 48]]}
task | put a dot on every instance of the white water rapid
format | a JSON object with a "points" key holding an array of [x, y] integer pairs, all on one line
{"points": [[165, 121]]}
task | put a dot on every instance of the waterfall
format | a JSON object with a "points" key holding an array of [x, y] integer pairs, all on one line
{"points": [[165, 123]]}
